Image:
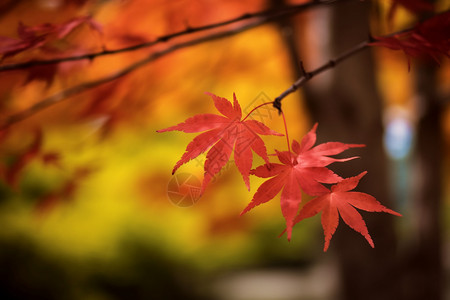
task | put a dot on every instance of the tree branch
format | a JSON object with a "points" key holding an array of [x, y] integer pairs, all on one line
{"points": [[268, 15], [65, 94], [309, 75], [333, 62]]}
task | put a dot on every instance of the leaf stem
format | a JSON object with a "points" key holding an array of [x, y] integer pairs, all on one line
{"points": [[309, 75], [286, 130], [266, 103]]}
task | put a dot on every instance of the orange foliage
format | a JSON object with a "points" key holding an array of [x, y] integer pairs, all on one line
{"points": [[55, 29], [141, 100]]}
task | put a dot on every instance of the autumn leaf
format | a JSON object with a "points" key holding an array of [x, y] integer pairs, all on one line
{"points": [[340, 201], [51, 159], [58, 30], [11, 46], [64, 193], [303, 170], [12, 172], [430, 38], [318, 156], [45, 73], [222, 136], [31, 37]]}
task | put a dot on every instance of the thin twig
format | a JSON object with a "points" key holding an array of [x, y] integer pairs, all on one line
{"points": [[267, 14], [333, 62], [309, 75], [287, 136], [65, 94]]}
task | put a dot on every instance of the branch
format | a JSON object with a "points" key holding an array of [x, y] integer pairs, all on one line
{"points": [[65, 94], [329, 65], [333, 62], [268, 15], [309, 75]]}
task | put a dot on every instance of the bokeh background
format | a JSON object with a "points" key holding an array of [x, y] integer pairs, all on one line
{"points": [[87, 197]]}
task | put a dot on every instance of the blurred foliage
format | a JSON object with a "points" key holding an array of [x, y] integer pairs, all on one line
{"points": [[94, 221], [112, 233]]}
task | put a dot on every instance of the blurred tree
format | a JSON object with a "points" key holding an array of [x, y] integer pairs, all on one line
{"points": [[349, 103]]}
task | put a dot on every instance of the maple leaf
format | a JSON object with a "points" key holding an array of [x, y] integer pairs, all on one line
{"points": [[224, 134], [59, 30], [12, 172], [305, 169], [12, 46], [51, 158], [45, 73], [340, 201], [429, 38], [31, 37], [64, 193]]}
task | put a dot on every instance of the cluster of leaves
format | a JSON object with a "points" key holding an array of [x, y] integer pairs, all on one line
{"points": [[40, 36], [10, 172], [429, 38], [12, 169], [304, 169], [47, 40]]}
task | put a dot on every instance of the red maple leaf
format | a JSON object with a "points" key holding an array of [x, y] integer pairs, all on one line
{"points": [[340, 201], [305, 169], [51, 159], [430, 38], [59, 30], [45, 73], [31, 37], [65, 193], [224, 134], [12, 172], [12, 46]]}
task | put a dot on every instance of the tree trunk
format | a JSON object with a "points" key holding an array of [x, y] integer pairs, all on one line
{"points": [[349, 109], [346, 103], [424, 273]]}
